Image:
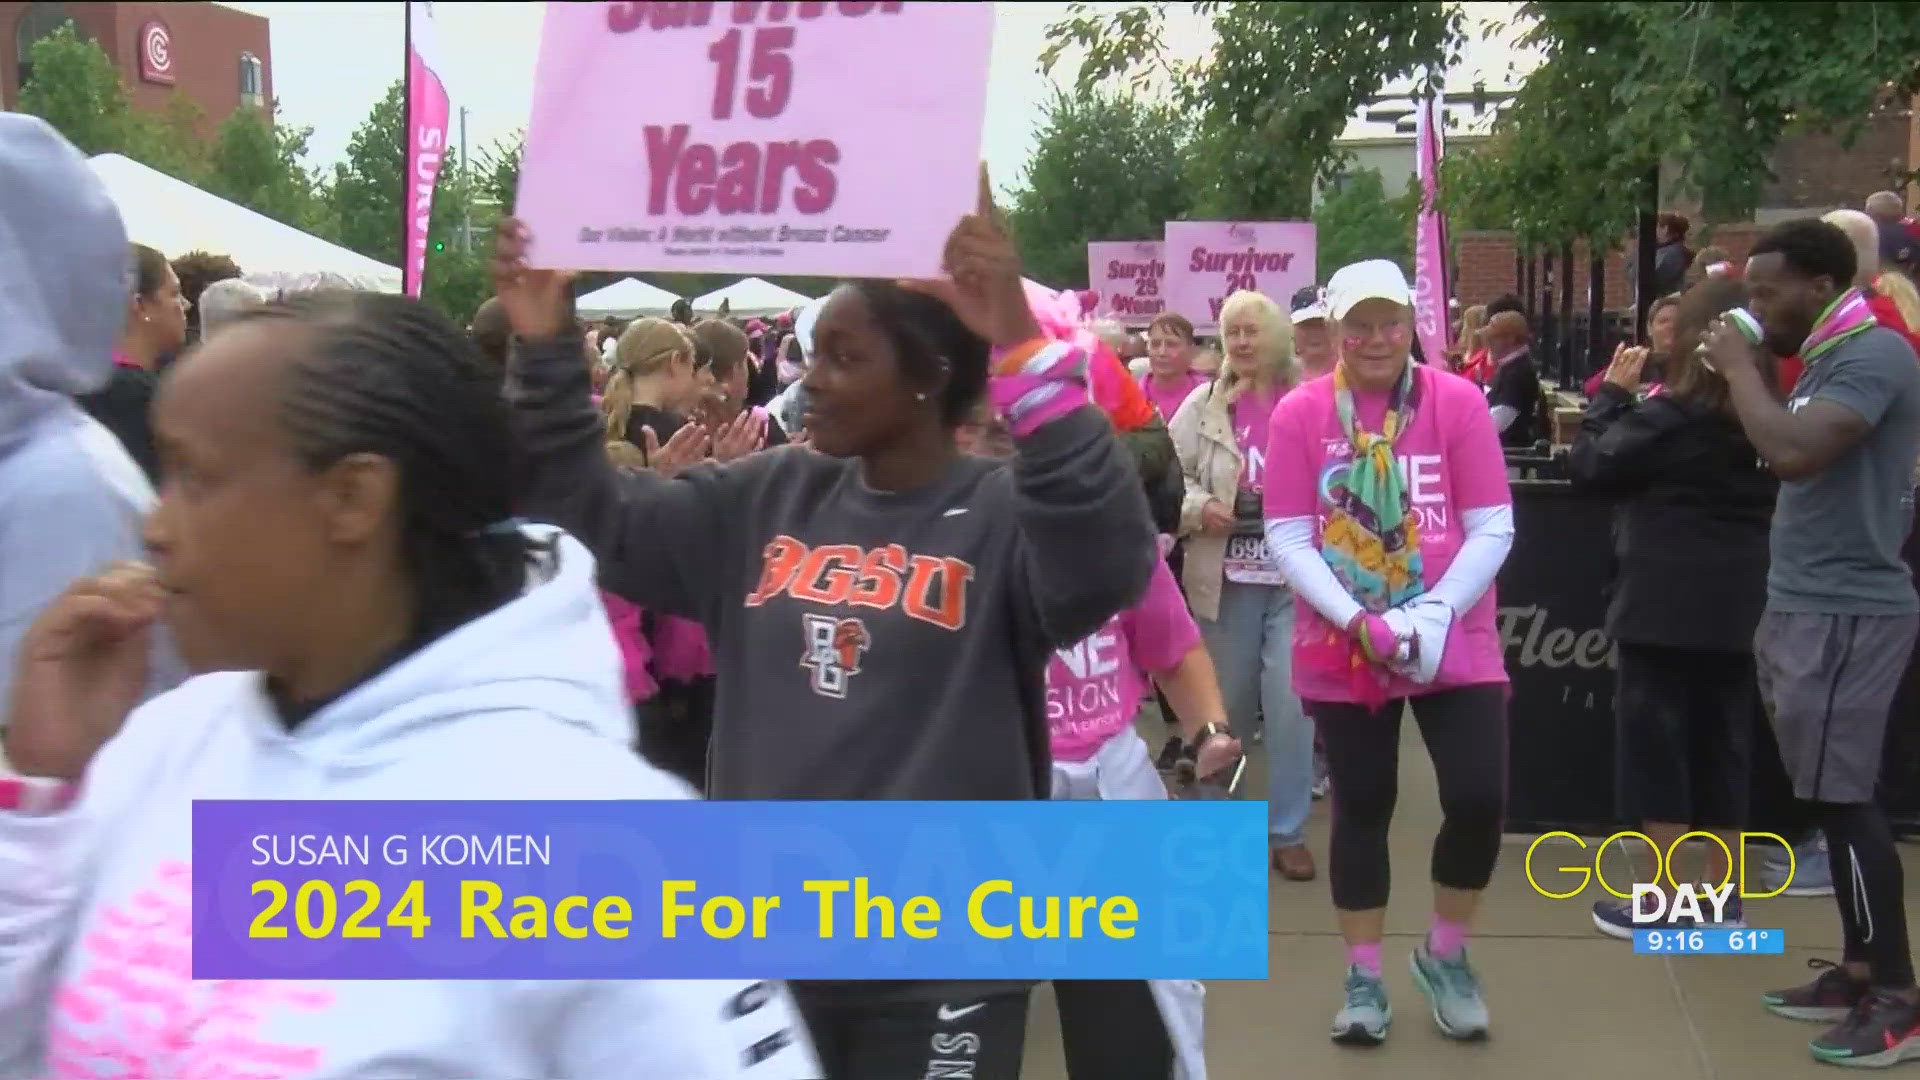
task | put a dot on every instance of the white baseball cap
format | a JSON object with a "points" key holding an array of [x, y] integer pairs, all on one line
{"points": [[1375, 279], [1309, 304]]}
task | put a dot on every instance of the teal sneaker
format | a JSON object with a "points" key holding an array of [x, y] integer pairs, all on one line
{"points": [[1454, 992], [1363, 1020]]}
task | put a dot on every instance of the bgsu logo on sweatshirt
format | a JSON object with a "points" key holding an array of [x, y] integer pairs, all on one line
{"points": [[930, 588], [833, 651]]}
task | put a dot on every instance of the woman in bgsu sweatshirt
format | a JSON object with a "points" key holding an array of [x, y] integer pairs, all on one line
{"points": [[882, 607]]}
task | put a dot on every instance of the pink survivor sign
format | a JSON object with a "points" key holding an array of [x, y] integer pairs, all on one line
{"points": [[755, 138], [1128, 276], [1208, 261]]}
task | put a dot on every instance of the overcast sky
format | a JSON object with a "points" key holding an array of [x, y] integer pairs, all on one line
{"points": [[333, 61]]}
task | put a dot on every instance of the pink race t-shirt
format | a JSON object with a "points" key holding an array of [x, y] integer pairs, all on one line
{"points": [[635, 652], [1450, 462], [1251, 413], [1095, 686], [1167, 399]]}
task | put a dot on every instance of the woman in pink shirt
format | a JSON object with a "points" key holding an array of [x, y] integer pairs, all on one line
{"points": [[1094, 688], [1388, 510], [1170, 373]]}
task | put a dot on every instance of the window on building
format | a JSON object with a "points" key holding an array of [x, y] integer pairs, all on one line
{"points": [[38, 21], [252, 81]]}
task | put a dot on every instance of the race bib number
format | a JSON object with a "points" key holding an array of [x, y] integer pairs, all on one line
{"points": [[1249, 563]]}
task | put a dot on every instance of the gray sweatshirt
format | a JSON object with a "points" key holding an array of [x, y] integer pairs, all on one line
{"points": [[868, 645], [71, 500]]}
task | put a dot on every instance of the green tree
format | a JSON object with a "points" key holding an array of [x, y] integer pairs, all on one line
{"points": [[1279, 86], [261, 164], [170, 140], [1356, 220], [75, 88], [1707, 90], [365, 191], [365, 200], [497, 173], [1107, 166]]}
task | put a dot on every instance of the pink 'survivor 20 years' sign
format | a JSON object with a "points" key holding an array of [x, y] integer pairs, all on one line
{"points": [[755, 138], [1128, 275], [1208, 261]]}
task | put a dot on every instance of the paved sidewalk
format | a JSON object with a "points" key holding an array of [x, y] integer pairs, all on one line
{"points": [[1567, 1003]]}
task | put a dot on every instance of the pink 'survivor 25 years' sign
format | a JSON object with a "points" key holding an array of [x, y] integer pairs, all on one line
{"points": [[1208, 261], [1128, 275], [755, 138]]}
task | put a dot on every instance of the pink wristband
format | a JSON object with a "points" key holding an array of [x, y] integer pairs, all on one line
{"points": [[1376, 638], [1045, 384], [35, 795]]}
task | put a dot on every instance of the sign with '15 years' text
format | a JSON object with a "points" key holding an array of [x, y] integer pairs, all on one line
{"points": [[755, 137], [1128, 275], [1208, 261]]}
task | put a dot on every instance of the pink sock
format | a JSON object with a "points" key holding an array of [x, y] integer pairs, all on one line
{"points": [[1446, 938], [1365, 957]]}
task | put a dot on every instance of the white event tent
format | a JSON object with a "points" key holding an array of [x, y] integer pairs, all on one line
{"points": [[751, 296], [627, 298], [174, 217]]}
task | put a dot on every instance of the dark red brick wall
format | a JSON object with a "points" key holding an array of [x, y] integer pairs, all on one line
{"points": [[1814, 171], [1485, 268], [207, 43]]}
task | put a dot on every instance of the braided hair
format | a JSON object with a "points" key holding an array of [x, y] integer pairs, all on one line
{"points": [[936, 349], [390, 376]]}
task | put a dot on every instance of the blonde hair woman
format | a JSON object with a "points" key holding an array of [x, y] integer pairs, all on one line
{"points": [[1243, 606], [652, 385], [1899, 288]]}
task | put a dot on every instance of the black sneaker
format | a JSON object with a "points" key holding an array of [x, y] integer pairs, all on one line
{"points": [[1171, 754], [1829, 998], [1883, 1030]]}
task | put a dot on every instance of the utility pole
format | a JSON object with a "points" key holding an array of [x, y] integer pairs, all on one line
{"points": [[466, 189]]}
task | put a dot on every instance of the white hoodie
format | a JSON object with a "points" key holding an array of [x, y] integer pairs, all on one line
{"points": [[522, 703]]}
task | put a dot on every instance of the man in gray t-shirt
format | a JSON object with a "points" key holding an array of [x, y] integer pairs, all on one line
{"points": [[1841, 608], [1837, 534]]}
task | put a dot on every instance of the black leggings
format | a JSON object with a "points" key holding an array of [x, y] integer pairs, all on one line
{"points": [[675, 727], [980, 1038], [1465, 729], [1869, 887], [1176, 564], [1112, 1030]]}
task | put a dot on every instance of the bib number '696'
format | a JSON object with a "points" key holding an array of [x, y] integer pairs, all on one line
{"points": [[1249, 562]]}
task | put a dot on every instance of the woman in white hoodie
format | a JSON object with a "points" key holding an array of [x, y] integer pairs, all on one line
{"points": [[332, 546]]}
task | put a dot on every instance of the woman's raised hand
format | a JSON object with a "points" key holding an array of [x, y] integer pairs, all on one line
{"points": [[688, 446], [739, 437], [983, 284], [82, 669], [535, 300], [1624, 371]]}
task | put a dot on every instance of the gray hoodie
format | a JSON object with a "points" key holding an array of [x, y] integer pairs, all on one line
{"points": [[71, 499]]}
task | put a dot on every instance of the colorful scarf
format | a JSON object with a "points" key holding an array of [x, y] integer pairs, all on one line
{"points": [[1371, 538], [1846, 316]]}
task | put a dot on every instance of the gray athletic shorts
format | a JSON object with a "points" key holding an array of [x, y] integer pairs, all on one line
{"points": [[1828, 683]]}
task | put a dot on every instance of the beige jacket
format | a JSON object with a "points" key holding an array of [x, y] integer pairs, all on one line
{"points": [[1202, 430]]}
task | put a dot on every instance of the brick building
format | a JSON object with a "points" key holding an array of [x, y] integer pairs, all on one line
{"points": [[218, 57], [1813, 173]]}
